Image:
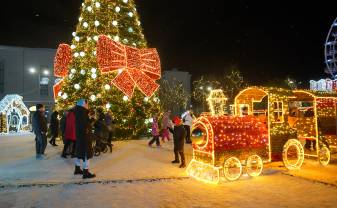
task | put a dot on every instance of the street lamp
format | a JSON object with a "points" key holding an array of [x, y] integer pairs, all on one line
{"points": [[46, 72], [32, 70]]}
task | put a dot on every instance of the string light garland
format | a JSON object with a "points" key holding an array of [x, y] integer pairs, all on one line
{"points": [[217, 101]]}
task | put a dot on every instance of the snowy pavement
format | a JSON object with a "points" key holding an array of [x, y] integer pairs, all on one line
{"points": [[134, 175]]}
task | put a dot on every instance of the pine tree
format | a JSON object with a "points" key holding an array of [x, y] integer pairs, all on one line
{"points": [[117, 19]]}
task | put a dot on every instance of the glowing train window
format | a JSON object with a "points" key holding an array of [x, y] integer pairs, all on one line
{"points": [[199, 136]]}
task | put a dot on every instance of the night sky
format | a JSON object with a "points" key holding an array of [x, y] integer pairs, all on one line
{"points": [[265, 41]]}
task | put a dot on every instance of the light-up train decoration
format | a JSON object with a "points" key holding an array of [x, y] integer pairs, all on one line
{"points": [[270, 124]]}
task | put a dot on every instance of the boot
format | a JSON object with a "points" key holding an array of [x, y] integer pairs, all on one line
{"points": [[78, 170], [182, 156], [176, 157], [87, 174]]}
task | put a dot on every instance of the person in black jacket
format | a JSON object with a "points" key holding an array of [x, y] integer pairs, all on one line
{"points": [[179, 134], [39, 123], [84, 150], [54, 127], [63, 124]]}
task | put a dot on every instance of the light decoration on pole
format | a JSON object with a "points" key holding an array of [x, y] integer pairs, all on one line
{"points": [[14, 115], [217, 101]]}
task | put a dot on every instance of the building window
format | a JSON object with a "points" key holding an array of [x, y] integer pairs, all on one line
{"points": [[44, 90], [278, 111], [2, 77]]}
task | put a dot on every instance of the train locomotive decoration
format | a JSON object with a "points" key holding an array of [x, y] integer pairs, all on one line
{"points": [[269, 124]]}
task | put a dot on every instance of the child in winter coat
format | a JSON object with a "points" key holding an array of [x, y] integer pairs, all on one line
{"points": [[179, 134], [155, 132]]}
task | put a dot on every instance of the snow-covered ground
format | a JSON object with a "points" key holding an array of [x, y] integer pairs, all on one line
{"points": [[134, 175]]}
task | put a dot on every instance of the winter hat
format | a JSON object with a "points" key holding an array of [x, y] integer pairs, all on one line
{"points": [[39, 106], [176, 120], [81, 102]]}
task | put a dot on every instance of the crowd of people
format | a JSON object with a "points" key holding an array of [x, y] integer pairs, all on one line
{"points": [[80, 128]]}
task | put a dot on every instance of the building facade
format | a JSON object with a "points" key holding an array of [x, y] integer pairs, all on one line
{"points": [[29, 73]]}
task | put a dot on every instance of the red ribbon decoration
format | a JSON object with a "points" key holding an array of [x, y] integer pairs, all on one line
{"points": [[140, 67], [57, 88], [62, 61]]}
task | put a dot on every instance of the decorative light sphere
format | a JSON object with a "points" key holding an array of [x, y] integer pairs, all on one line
{"points": [[146, 99], [72, 46], [64, 96], [82, 54], [94, 76], [88, 38], [73, 71], [125, 40], [130, 30], [96, 38], [130, 14], [134, 44], [125, 98], [97, 4], [116, 38], [96, 23], [125, 1], [94, 53], [151, 120], [117, 9], [82, 72], [80, 19], [71, 76], [114, 23], [85, 24], [77, 86], [59, 93], [93, 97], [138, 22], [76, 54], [108, 106], [155, 99], [93, 70], [107, 87], [89, 8], [74, 34], [77, 38]]}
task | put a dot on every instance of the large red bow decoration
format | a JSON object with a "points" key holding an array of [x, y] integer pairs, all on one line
{"points": [[140, 67], [61, 64]]}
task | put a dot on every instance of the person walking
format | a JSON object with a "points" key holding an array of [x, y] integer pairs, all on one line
{"points": [[63, 123], [69, 135], [39, 124], [188, 120], [84, 150], [54, 127], [155, 132], [179, 135], [165, 134]]}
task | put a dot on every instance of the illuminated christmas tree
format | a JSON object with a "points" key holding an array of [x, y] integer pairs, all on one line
{"points": [[109, 64]]}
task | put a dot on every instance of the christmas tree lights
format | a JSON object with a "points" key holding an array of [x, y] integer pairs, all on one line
{"points": [[80, 66]]}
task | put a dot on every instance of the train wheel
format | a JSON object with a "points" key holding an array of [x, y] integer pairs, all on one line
{"points": [[324, 156], [293, 154], [254, 165], [232, 169]]}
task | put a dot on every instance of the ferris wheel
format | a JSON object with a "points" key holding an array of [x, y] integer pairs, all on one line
{"points": [[331, 50]]}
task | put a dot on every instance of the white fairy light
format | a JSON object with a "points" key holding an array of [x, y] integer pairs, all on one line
{"points": [[73, 34], [96, 38], [89, 8], [64, 96], [76, 54], [72, 46], [125, 1], [114, 23], [73, 71], [125, 98], [130, 30], [130, 14], [107, 87], [77, 86], [85, 24], [94, 76], [93, 70], [108, 106], [82, 72], [93, 97], [97, 4], [82, 54], [116, 38], [96, 23], [117, 9], [77, 38]]}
